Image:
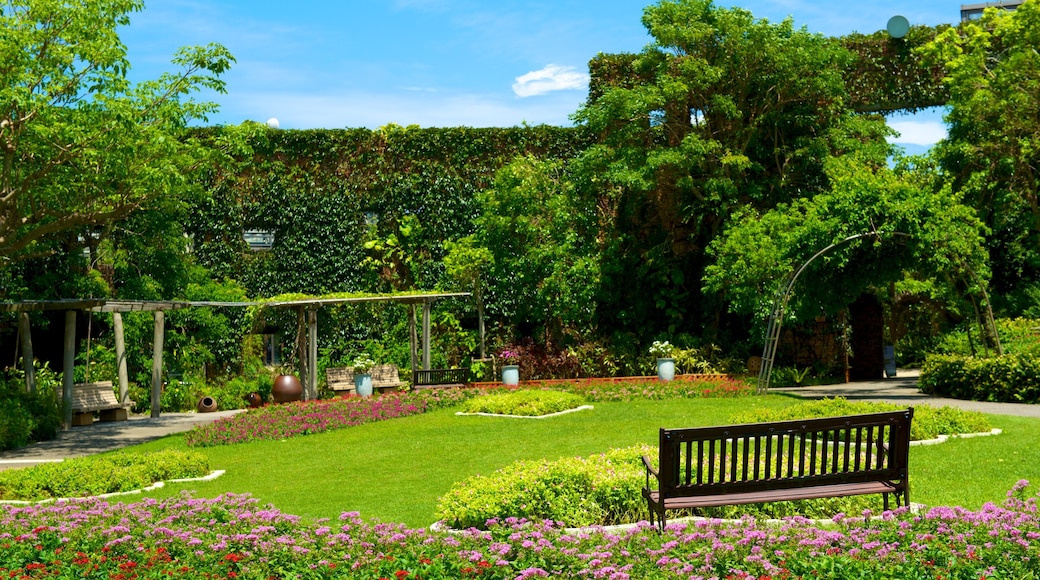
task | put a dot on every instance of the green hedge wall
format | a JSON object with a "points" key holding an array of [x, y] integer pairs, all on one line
{"points": [[1011, 378]]}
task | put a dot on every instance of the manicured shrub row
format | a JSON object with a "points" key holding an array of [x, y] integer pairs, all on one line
{"points": [[233, 537], [275, 422], [929, 422], [599, 490], [27, 417], [1011, 378], [525, 403], [99, 474]]}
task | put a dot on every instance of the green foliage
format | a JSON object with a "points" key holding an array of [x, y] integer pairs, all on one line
{"points": [[914, 228], [82, 147], [1011, 378], [1017, 336], [721, 111], [990, 153], [929, 421], [597, 490], [524, 403], [541, 237], [100, 474], [29, 417]]}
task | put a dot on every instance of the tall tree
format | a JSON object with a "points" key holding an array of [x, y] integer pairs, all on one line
{"points": [[992, 153], [735, 111], [79, 144]]}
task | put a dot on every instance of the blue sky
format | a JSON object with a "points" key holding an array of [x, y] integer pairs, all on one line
{"points": [[437, 63]]}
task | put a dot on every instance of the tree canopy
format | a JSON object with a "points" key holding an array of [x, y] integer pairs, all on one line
{"points": [[80, 146], [992, 153], [736, 112]]}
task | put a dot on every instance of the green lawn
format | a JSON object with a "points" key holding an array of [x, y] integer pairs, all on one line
{"points": [[395, 470]]}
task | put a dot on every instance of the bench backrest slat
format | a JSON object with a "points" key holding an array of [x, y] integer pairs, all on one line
{"points": [[763, 456]]}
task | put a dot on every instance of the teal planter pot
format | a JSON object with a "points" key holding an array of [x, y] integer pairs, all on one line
{"points": [[665, 369], [363, 385], [511, 375]]}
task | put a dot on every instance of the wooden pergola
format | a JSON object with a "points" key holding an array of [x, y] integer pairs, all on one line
{"points": [[307, 310], [307, 313]]}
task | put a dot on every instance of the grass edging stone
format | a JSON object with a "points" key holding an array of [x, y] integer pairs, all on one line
{"points": [[157, 485]]}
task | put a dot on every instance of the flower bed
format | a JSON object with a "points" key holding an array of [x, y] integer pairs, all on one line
{"points": [[274, 422], [234, 537]]}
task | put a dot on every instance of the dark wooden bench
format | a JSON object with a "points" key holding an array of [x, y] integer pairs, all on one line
{"points": [[422, 379], [780, 461], [385, 378], [88, 398]]}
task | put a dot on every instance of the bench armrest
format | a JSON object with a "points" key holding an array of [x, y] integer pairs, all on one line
{"points": [[651, 471]]}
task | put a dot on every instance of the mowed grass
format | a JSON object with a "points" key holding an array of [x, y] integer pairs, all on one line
{"points": [[395, 471]]}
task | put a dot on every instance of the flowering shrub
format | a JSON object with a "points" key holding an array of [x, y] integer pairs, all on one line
{"points": [[363, 363], [661, 349], [274, 422], [232, 536]]}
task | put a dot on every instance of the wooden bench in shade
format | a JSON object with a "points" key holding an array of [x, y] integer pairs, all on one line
{"points": [[423, 379], [385, 379], [90, 398], [780, 461]]}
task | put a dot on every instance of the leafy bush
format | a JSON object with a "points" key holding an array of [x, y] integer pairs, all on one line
{"points": [[929, 422], [100, 474], [526, 403], [575, 491], [1011, 378], [28, 417], [1017, 336]]}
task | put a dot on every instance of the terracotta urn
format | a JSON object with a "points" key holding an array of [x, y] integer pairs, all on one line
{"points": [[254, 400], [207, 405], [286, 388]]}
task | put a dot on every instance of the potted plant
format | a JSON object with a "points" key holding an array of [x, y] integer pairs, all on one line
{"points": [[510, 372], [663, 351], [363, 374], [286, 387]]}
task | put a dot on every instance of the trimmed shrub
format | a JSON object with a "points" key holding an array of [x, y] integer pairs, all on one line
{"points": [[525, 403], [100, 474], [28, 417], [1011, 378], [574, 491], [929, 422]]}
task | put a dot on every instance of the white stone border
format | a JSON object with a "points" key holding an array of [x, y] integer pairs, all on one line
{"points": [[944, 438], [157, 485], [574, 410]]}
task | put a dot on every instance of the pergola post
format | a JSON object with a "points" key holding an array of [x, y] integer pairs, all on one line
{"points": [[25, 336], [121, 372], [413, 338], [312, 355], [68, 368], [157, 350], [426, 335]]}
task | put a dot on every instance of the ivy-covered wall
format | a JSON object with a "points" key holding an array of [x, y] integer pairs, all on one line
{"points": [[325, 194]]}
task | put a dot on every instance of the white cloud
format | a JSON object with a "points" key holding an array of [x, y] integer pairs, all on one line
{"points": [[918, 132], [551, 78]]}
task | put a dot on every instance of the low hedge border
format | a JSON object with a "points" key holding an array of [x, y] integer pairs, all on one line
{"points": [[1010, 378]]}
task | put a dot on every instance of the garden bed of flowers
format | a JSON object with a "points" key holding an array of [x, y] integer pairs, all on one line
{"points": [[233, 536], [275, 422]]}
